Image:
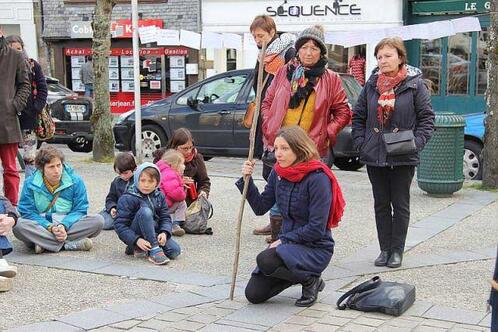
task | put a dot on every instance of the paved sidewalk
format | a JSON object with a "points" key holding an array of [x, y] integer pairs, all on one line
{"points": [[446, 236]]}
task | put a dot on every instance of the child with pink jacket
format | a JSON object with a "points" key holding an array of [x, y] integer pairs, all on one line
{"points": [[171, 165]]}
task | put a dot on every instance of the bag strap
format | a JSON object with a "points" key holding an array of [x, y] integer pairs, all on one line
{"points": [[52, 202], [364, 286]]}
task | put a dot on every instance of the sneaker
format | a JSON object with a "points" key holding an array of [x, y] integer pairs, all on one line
{"points": [[157, 256], [6, 270], [38, 249], [79, 245], [177, 230], [5, 284], [139, 253]]}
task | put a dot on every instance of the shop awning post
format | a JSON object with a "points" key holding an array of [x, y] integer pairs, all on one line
{"points": [[136, 77]]}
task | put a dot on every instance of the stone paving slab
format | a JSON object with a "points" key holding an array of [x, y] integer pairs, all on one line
{"points": [[220, 292], [223, 328], [253, 327], [92, 318], [138, 308], [179, 300], [454, 315], [268, 314], [52, 326], [486, 322]]}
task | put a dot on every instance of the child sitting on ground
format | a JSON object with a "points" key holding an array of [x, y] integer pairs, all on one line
{"points": [[124, 166], [143, 222], [171, 167]]}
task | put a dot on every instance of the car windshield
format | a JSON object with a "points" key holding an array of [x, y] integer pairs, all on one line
{"points": [[59, 89]]}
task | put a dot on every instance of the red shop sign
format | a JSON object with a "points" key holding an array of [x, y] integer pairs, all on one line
{"points": [[175, 51], [75, 51], [123, 28], [124, 101]]}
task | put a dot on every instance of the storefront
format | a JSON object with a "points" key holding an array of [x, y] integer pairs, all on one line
{"points": [[17, 18], [162, 69], [454, 66], [294, 16]]}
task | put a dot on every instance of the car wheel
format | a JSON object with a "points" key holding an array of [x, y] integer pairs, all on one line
{"points": [[85, 146], [472, 162], [153, 138], [348, 163]]}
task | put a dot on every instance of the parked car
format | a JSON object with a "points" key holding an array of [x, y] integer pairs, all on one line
{"points": [[71, 114], [213, 110], [474, 142]]}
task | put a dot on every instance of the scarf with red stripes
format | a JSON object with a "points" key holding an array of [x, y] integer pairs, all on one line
{"points": [[386, 85]]}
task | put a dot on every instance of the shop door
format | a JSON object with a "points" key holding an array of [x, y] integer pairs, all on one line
{"points": [[454, 69]]}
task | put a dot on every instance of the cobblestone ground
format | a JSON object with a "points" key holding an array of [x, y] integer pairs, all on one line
{"points": [[450, 254]]}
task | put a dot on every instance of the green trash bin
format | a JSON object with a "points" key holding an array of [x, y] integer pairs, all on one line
{"points": [[440, 172]]}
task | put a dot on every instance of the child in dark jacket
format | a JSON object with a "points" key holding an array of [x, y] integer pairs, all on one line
{"points": [[124, 166], [143, 222], [171, 167]]}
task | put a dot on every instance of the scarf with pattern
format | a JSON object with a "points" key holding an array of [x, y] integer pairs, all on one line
{"points": [[386, 85], [303, 79], [275, 52]]}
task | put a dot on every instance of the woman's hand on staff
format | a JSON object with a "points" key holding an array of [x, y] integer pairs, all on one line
{"points": [[275, 244], [248, 167]]}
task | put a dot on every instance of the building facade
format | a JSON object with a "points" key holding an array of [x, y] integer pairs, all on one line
{"points": [[67, 31], [17, 18]]}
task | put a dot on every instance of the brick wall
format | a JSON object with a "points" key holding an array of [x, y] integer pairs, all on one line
{"points": [[176, 14]]}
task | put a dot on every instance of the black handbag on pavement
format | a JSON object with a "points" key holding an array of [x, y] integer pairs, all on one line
{"points": [[387, 297], [399, 142]]}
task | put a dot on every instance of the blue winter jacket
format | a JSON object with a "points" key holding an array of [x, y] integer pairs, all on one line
{"points": [[132, 200], [307, 244], [72, 201]]}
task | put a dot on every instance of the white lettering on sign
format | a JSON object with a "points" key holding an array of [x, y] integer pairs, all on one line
{"points": [[487, 5], [470, 5]]}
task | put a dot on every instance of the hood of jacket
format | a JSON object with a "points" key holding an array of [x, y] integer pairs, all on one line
{"points": [[139, 171]]}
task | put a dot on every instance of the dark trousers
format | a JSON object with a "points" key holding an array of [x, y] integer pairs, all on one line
{"points": [[391, 191], [273, 279], [494, 319]]}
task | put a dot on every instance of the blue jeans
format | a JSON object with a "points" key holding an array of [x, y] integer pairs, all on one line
{"points": [[145, 226], [274, 211], [5, 246], [89, 90]]}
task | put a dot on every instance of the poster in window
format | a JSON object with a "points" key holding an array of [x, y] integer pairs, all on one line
{"points": [[177, 74], [155, 85], [78, 86], [77, 61], [126, 61], [177, 61], [114, 73], [113, 85], [127, 73], [75, 73], [177, 86], [113, 61], [128, 86]]}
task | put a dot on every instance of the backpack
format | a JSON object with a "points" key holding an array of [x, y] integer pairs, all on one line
{"points": [[197, 216], [45, 125]]}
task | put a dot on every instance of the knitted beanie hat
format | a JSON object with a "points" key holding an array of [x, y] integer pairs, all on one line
{"points": [[316, 33]]}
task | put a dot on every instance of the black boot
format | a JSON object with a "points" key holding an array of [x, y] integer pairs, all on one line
{"points": [[310, 292], [395, 259], [383, 258]]}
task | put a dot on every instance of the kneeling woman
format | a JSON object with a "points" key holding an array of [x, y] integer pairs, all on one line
{"points": [[310, 199]]}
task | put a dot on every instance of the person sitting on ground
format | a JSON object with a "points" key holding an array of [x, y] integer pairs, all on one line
{"points": [[171, 166], [124, 166], [195, 174], [311, 202], [8, 219], [54, 207], [143, 221]]}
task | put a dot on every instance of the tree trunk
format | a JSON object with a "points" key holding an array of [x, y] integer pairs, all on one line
{"points": [[103, 138], [490, 151]]}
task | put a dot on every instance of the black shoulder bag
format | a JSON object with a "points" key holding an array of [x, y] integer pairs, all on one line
{"points": [[387, 297], [398, 142]]}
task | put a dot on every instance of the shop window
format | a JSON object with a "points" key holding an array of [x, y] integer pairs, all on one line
{"points": [[482, 57], [231, 59], [458, 64], [430, 64], [338, 58], [221, 91]]}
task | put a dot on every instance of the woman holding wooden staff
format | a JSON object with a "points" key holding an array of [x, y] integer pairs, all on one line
{"points": [[311, 202]]}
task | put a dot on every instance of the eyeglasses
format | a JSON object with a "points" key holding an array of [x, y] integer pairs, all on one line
{"points": [[186, 148]]}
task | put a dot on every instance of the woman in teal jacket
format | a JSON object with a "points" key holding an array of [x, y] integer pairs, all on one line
{"points": [[54, 206]]}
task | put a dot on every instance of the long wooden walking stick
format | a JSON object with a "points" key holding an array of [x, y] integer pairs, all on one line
{"points": [[252, 138]]}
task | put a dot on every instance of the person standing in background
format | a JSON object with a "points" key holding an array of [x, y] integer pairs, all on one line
{"points": [[86, 76], [14, 93]]}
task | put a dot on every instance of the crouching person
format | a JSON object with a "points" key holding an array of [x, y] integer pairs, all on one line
{"points": [[54, 206], [8, 219], [143, 222]]}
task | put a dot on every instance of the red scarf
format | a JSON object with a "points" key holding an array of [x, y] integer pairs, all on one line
{"points": [[191, 156], [192, 189], [297, 172], [386, 85]]}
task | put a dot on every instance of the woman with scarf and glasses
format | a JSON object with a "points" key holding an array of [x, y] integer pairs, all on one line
{"points": [[394, 98], [307, 94]]}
